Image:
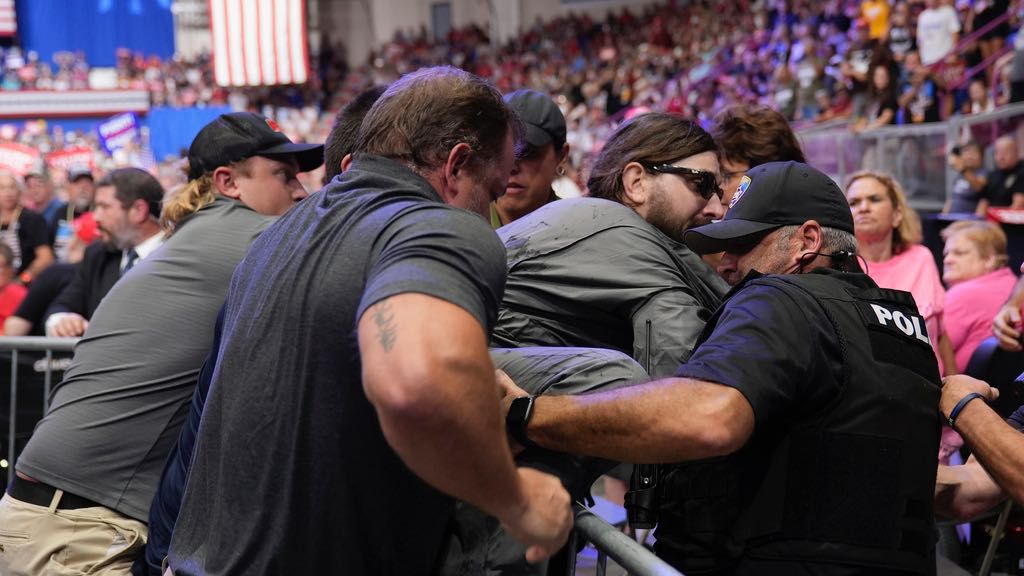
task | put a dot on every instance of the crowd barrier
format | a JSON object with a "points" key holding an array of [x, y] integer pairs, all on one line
{"points": [[40, 353], [915, 154], [610, 542]]}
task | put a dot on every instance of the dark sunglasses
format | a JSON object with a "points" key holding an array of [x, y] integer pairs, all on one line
{"points": [[706, 183]]}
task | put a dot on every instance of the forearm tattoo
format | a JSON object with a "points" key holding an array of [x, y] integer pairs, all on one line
{"points": [[384, 318]]}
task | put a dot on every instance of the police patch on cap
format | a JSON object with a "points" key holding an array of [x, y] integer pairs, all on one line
{"points": [[744, 184]]}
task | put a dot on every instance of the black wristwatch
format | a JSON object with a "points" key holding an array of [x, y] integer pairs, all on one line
{"points": [[518, 417]]}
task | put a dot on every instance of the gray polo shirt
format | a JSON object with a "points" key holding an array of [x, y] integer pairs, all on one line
{"points": [[117, 413]]}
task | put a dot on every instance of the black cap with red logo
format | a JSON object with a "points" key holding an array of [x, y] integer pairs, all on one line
{"points": [[240, 135]]}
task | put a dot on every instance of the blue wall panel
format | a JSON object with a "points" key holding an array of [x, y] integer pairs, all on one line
{"points": [[96, 27]]}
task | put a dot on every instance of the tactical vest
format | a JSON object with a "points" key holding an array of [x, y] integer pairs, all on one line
{"points": [[850, 482]]}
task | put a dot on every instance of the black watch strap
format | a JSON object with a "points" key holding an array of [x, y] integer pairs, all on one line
{"points": [[518, 417]]}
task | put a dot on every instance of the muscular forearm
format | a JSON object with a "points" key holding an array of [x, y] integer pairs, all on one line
{"points": [[663, 421], [436, 399], [998, 447], [458, 444]]}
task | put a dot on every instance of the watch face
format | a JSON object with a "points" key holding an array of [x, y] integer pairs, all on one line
{"points": [[519, 410], [518, 417]]}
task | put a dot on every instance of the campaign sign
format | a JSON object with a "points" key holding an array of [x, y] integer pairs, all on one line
{"points": [[18, 158], [118, 131], [68, 158]]}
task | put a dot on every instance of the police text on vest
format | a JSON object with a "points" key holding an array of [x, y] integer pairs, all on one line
{"points": [[911, 326]]}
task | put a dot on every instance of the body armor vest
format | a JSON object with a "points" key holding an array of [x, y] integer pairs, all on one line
{"points": [[850, 482]]}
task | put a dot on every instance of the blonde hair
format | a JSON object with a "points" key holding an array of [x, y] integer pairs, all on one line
{"points": [[908, 233], [193, 196], [988, 237], [189, 200]]}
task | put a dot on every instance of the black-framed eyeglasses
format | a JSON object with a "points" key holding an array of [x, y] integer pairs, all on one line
{"points": [[704, 182]]}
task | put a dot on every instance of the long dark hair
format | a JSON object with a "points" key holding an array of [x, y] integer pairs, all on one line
{"points": [[652, 138]]}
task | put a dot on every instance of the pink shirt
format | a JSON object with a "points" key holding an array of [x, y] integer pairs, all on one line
{"points": [[970, 307], [914, 271]]}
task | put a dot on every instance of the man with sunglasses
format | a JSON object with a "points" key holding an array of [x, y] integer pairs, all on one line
{"points": [[610, 270], [593, 282], [806, 417]]}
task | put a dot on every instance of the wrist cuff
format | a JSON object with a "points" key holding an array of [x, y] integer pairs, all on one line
{"points": [[955, 413]]}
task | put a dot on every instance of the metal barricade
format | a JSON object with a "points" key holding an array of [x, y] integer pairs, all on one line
{"points": [[611, 542], [914, 154], [16, 345]]}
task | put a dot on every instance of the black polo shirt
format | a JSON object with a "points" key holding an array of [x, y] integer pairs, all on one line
{"points": [[1003, 184]]}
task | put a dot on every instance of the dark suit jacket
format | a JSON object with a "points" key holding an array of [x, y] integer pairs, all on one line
{"points": [[99, 270]]}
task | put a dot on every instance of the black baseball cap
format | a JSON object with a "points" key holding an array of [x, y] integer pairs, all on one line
{"points": [[545, 123], [240, 135], [770, 196]]}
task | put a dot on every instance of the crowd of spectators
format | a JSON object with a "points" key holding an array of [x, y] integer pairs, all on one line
{"points": [[870, 62], [875, 61], [176, 82]]}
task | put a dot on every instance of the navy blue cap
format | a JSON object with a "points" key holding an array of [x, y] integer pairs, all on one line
{"points": [[770, 196]]}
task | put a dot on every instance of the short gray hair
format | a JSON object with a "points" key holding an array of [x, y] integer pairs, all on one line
{"points": [[833, 239], [837, 240]]}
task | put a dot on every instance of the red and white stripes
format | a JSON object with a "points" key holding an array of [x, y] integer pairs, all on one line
{"points": [[259, 42], [8, 20]]}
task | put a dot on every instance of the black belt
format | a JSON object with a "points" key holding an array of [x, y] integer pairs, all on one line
{"points": [[42, 494]]}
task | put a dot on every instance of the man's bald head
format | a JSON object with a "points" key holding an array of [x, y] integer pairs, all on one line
{"points": [[1006, 153]]}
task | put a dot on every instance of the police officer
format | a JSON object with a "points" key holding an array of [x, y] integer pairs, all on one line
{"points": [[810, 403]]}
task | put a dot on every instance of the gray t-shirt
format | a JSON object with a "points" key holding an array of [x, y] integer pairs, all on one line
{"points": [[117, 413], [291, 472], [589, 272]]}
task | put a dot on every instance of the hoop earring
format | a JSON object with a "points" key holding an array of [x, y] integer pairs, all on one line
{"points": [[560, 170]]}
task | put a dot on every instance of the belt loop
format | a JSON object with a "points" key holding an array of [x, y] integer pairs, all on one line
{"points": [[57, 495]]}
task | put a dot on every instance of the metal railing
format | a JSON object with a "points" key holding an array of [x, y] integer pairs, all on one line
{"points": [[610, 542], [16, 345], [914, 154]]}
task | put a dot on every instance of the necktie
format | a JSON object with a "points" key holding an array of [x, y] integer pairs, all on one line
{"points": [[133, 257]]}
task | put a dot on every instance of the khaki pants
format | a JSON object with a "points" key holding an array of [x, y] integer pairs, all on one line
{"points": [[40, 540]]}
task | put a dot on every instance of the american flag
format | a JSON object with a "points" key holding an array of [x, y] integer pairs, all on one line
{"points": [[8, 22], [259, 42]]}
